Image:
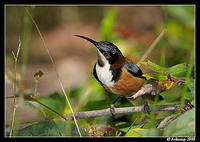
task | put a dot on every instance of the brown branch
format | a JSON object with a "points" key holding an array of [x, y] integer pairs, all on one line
{"points": [[150, 88], [146, 89], [166, 121], [124, 110], [105, 112]]}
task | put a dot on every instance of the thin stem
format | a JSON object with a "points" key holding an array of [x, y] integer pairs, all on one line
{"points": [[189, 71], [54, 66], [27, 29], [36, 100], [14, 101], [46, 106], [162, 58], [15, 88], [131, 125], [155, 42], [36, 86], [13, 119]]}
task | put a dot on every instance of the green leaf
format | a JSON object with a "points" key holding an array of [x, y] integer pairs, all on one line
{"points": [[156, 76], [150, 132], [55, 101], [37, 106], [179, 70], [133, 132], [192, 102], [122, 125], [190, 94], [152, 124], [172, 95], [153, 66], [182, 126], [125, 129], [139, 132], [191, 86], [51, 128], [108, 23]]}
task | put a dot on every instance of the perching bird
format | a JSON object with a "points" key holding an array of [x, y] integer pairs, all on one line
{"points": [[116, 73]]}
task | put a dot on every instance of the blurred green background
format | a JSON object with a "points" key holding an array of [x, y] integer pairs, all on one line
{"points": [[131, 28]]}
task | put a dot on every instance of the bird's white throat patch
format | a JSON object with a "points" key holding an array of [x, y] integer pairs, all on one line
{"points": [[104, 73]]}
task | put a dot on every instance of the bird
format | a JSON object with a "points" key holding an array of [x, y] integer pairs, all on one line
{"points": [[116, 73]]}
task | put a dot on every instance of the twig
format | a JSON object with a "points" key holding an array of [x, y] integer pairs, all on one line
{"points": [[124, 110], [152, 46], [10, 76], [15, 89], [129, 127], [176, 80], [146, 89], [84, 96], [189, 72], [36, 100], [150, 88], [54, 66], [47, 107], [121, 133], [106, 112], [166, 121]]}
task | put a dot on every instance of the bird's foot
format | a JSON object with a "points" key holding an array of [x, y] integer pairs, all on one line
{"points": [[112, 109], [147, 109]]}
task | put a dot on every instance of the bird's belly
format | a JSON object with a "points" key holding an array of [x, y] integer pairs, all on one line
{"points": [[126, 85]]}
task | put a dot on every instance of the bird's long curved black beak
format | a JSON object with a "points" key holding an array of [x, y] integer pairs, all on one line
{"points": [[88, 39], [94, 42]]}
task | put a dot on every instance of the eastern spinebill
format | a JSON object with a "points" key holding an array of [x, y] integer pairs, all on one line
{"points": [[116, 73]]}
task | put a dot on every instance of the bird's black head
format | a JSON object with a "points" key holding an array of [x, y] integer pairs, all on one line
{"points": [[107, 51]]}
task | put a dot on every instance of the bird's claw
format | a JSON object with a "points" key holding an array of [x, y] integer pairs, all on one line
{"points": [[147, 109], [112, 109]]}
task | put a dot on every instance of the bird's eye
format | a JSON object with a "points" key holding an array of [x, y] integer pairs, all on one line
{"points": [[105, 53]]}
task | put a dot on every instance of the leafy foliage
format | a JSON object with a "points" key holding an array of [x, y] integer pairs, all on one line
{"points": [[159, 74], [182, 126], [153, 66], [144, 132], [178, 70], [51, 128], [156, 76], [55, 101]]}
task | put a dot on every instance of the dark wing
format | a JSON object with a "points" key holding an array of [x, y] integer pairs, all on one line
{"points": [[133, 69]]}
